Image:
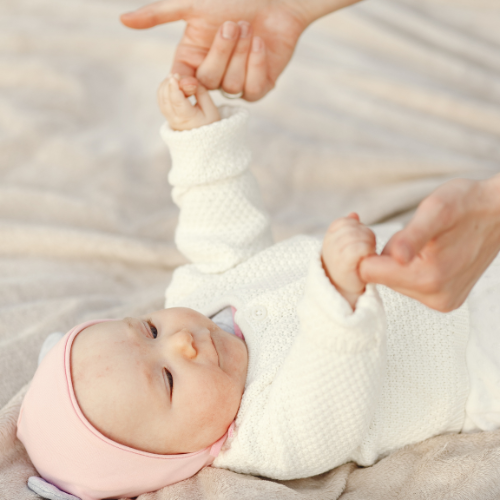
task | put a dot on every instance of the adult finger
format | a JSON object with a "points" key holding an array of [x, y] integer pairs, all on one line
{"points": [[156, 13], [188, 85], [429, 285], [211, 71], [234, 78], [432, 218], [187, 59], [257, 83], [385, 270]]}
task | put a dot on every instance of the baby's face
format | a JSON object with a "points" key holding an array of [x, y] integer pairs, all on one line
{"points": [[176, 393]]}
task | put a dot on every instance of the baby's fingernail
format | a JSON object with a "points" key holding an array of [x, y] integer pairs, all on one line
{"points": [[177, 76], [228, 30], [257, 44], [244, 29]]}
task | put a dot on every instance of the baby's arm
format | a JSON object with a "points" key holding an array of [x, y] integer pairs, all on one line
{"points": [[222, 221], [320, 404], [346, 243]]}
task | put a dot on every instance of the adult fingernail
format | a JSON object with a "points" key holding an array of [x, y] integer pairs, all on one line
{"points": [[244, 29], [228, 30], [257, 44]]}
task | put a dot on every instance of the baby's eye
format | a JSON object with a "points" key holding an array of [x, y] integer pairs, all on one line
{"points": [[153, 329], [170, 380]]}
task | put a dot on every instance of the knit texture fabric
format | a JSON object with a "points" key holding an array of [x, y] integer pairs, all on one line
{"points": [[325, 385]]}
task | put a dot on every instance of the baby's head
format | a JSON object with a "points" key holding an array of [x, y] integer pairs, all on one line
{"points": [[167, 384], [135, 391]]}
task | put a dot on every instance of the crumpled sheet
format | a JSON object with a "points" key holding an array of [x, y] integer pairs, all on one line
{"points": [[381, 103]]}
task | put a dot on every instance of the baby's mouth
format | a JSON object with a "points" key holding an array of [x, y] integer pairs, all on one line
{"points": [[215, 348]]}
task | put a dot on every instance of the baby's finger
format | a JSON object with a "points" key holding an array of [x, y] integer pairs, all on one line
{"points": [[343, 225], [164, 98], [211, 71], [178, 101], [257, 83], [353, 215], [206, 104], [234, 79]]}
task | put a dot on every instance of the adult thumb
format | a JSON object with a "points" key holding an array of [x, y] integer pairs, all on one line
{"points": [[164, 11], [383, 270], [425, 225]]}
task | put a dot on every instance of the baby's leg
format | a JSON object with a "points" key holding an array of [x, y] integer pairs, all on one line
{"points": [[483, 353]]}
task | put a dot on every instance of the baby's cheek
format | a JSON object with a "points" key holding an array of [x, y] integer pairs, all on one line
{"points": [[229, 399], [221, 400]]}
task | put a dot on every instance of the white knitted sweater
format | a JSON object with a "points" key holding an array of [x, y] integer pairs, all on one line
{"points": [[325, 385]]}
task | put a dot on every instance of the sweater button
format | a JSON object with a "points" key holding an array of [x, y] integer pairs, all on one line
{"points": [[258, 313]]}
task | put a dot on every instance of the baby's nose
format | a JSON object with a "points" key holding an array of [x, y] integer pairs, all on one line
{"points": [[184, 343]]}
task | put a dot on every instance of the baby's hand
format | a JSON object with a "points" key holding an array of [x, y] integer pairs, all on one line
{"points": [[178, 110], [346, 244]]}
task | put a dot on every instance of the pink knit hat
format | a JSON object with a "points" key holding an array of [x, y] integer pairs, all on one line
{"points": [[70, 453]]}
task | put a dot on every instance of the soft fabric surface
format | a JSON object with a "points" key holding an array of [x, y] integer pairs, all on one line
{"points": [[381, 103]]}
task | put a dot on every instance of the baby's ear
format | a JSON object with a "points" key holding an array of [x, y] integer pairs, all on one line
{"points": [[47, 490], [189, 85]]}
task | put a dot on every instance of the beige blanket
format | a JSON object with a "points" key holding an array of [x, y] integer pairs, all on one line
{"points": [[381, 103]]}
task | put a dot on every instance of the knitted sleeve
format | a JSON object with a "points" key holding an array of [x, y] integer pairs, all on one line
{"points": [[222, 221], [322, 400]]}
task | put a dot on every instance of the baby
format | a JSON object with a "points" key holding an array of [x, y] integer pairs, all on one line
{"points": [[269, 359]]}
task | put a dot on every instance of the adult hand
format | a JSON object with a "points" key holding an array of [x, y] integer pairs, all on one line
{"points": [[438, 257], [277, 25]]}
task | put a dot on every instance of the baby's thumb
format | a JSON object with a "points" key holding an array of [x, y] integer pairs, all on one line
{"points": [[205, 101]]}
